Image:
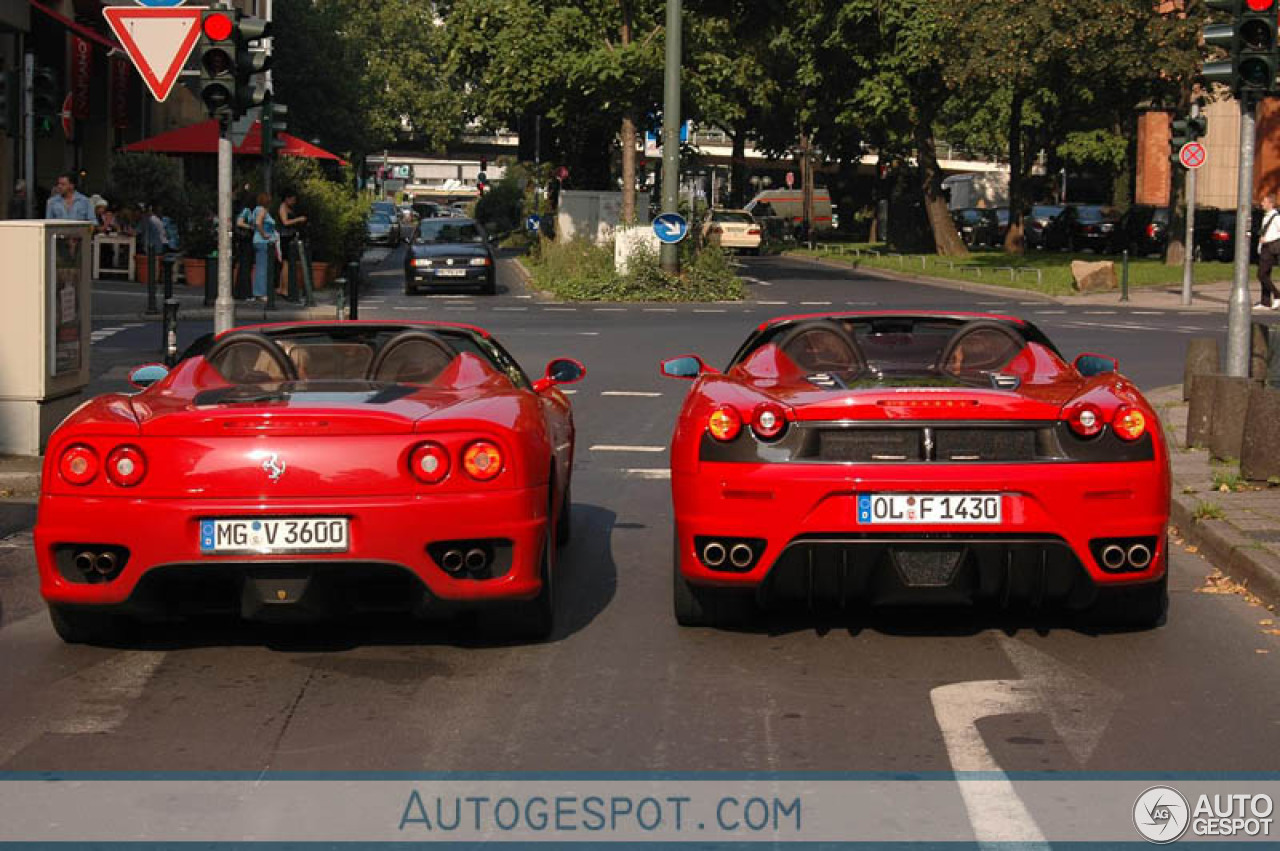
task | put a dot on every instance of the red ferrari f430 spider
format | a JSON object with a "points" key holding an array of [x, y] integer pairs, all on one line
{"points": [[301, 470], [917, 458]]}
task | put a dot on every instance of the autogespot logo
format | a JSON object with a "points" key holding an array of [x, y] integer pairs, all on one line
{"points": [[1161, 814]]}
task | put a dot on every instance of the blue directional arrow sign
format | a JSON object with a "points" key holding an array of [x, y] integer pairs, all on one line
{"points": [[533, 223], [671, 228]]}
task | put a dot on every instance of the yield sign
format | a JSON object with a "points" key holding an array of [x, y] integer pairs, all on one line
{"points": [[1192, 155], [157, 40]]}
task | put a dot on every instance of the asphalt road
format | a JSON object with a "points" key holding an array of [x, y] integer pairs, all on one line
{"points": [[620, 687]]}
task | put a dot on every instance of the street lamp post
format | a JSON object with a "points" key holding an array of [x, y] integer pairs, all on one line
{"points": [[670, 253]]}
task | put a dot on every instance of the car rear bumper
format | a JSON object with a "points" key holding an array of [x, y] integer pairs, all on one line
{"points": [[394, 556], [801, 522], [477, 277], [735, 240]]}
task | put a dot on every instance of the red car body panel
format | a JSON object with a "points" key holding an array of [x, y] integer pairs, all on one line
{"points": [[341, 456], [779, 504]]}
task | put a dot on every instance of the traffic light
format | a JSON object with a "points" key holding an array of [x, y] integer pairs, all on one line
{"points": [[216, 59], [1184, 130], [1250, 41], [10, 115], [1257, 58], [275, 121], [44, 94], [250, 61]]}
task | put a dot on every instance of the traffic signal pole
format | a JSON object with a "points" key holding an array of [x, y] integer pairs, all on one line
{"points": [[1188, 255], [1238, 312], [669, 254], [224, 308], [29, 129]]}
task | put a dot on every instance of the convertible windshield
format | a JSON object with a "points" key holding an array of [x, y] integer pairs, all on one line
{"points": [[449, 232]]}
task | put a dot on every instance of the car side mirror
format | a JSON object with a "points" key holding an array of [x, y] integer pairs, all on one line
{"points": [[1090, 365], [144, 376], [688, 367], [560, 371]]}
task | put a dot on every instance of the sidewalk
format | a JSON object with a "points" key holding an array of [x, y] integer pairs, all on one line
{"points": [[1237, 528]]}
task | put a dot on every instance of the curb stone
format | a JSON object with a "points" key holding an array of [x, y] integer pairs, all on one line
{"points": [[945, 283]]}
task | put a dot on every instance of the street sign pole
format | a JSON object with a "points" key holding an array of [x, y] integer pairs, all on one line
{"points": [[1188, 255], [225, 308], [670, 254], [1238, 313], [29, 130]]}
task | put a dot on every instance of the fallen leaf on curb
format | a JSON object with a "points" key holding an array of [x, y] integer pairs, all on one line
{"points": [[1267, 622], [1193, 549], [1219, 583], [1272, 631], [1262, 651]]}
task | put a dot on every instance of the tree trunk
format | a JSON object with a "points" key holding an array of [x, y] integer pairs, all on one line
{"points": [[1014, 242], [627, 138], [738, 169], [946, 240]]}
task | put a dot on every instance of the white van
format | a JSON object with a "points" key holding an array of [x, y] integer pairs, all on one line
{"points": [[788, 205]]}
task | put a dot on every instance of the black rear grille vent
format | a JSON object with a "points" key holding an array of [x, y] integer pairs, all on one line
{"points": [[868, 444], [994, 444]]}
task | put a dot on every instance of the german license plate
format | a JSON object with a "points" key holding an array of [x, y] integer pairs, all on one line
{"points": [[948, 508], [451, 273], [267, 535]]}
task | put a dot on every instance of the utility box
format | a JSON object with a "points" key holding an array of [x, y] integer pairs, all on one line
{"points": [[44, 330], [588, 215]]}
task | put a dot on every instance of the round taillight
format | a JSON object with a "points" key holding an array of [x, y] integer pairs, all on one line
{"points": [[126, 466], [482, 460], [78, 465], [1085, 421], [768, 421], [1129, 423], [429, 463], [724, 423]]}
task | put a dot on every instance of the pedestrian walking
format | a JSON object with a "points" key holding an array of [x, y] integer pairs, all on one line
{"points": [[67, 203], [18, 203], [289, 224], [265, 241], [1268, 252], [242, 286]]}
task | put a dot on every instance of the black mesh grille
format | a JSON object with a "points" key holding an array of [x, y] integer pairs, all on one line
{"points": [[868, 444], [992, 444]]}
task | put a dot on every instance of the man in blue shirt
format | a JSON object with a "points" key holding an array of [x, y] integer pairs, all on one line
{"points": [[66, 202]]}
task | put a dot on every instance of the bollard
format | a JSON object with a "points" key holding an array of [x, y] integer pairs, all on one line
{"points": [[1200, 411], [308, 293], [1259, 353], [169, 331], [271, 278], [1226, 426], [1124, 277], [166, 262], [353, 290], [1273, 360], [340, 303], [1259, 460], [1202, 357], [210, 281], [152, 274]]}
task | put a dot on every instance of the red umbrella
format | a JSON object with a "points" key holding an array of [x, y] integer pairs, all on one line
{"points": [[202, 138]]}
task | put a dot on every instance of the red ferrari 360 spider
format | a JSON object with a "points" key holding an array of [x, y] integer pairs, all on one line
{"points": [[297, 470], [920, 458]]}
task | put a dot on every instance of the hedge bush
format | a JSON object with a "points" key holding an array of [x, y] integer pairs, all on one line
{"points": [[579, 270]]}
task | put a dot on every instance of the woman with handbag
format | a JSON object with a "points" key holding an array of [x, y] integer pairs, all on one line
{"points": [[265, 239]]}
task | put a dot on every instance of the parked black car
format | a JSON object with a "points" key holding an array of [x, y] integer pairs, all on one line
{"points": [[1095, 228], [978, 227], [1048, 226], [1215, 234], [449, 253], [1145, 229]]}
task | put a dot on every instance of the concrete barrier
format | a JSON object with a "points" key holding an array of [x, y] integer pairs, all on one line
{"points": [[1230, 404], [1200, 410], [1260, 447], [1259, 348], [1202, 358]]}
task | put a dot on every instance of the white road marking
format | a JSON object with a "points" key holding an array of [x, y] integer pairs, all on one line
{"points": [[659, 310], [773, 303], [1049, 312], [524, 296], [647, 473], [609, 309], [511, 309], [103, 694], [815, 303], [461, 309], [608, 447], [1100, 312], [636, 393], [1147, 312], [710, 310], [1191, 328], [996, 813], [560, 309], [569, 392]]}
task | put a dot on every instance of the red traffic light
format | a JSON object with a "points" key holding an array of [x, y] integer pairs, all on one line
{"points": [[218, 27]]}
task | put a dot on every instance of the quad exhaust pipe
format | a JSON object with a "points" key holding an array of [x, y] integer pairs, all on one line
{"points": [[1139, 556], [84, 562], [476, 560], [1113, 557], [91, 563], [453, 561], [713, 554], [105, 563], [741, 555]]}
